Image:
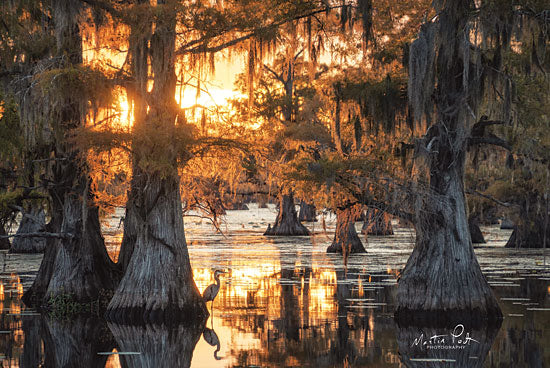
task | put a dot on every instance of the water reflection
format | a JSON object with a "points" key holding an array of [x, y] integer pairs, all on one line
{"points": [[155, 345], [285, 303], [462, 346], [210, 336], [74, 343]]}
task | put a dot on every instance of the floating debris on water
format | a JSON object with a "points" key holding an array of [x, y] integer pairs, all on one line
{"points": [[119, 353]]}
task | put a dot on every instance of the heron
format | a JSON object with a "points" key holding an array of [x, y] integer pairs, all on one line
{"points": [[212, 290]]}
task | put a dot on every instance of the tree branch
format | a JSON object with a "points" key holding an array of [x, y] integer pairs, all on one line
{"points": [[490, 139], [203, 47], [491, 198], [39, 235]]}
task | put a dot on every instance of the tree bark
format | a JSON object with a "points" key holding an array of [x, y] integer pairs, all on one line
{"points": [[82, 268], [287, 223], [138, 54], [442, 278], [32, 222], [442, 274], [78, 265], [346, 235], [377, 223], [157, 285], [307, 212]]}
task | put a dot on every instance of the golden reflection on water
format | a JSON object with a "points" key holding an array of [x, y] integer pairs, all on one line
{"points": [[284, 303]]}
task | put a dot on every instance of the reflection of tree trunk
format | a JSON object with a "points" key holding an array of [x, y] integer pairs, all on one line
{"points": [[76, 343], [159, 345], [472, 354], [307, 212], [343, 349], [289, 307], [346, 235], [32, 347], [32, 222], [475, 231], [287, 222], [377, 223]]}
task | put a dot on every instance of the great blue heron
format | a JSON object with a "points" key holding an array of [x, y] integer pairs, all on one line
{"points": [[212, 290]]}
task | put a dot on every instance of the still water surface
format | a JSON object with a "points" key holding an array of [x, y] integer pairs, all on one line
{"points": [[284, 302]]}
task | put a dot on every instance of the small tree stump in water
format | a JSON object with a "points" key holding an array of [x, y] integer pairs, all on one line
{"points": [[475, 231], [345, 234], [507, 224], [287, 223]]}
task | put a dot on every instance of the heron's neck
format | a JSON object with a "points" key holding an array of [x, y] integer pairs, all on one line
{"points": [[217, 277]]}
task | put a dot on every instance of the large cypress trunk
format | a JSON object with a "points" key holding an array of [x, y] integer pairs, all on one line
{"points": [[158, 283], [345, 236], [82, 267], [32, 222], [77, 264], [287, 222], [442, 273], [140, 36], [307, 212], [377, 223]]}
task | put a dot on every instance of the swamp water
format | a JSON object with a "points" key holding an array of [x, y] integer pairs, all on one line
{"points": [[284, 302]]}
